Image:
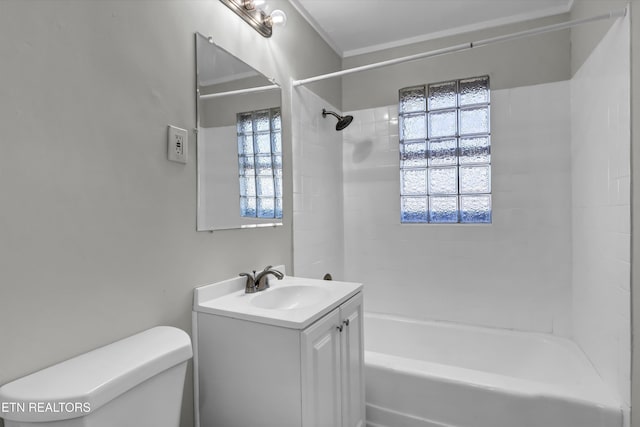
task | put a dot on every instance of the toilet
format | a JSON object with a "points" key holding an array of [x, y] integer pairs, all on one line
{"points": [[134, 382]]}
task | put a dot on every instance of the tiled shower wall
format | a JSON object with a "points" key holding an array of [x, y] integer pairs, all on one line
{"points": [[556, 257], [514, 273], [600, 149], [317, 189]]}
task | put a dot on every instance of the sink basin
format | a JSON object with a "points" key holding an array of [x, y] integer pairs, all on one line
{"points": [[293, 302], [289, 297]]}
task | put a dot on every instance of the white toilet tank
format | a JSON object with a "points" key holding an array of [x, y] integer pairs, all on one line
{"points": [[134, 382]]}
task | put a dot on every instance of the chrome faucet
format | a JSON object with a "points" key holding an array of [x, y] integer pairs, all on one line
{"points": [[261, 278], [259, 282]]}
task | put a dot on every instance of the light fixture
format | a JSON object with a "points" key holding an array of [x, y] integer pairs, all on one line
{"points": [[253, 13]]}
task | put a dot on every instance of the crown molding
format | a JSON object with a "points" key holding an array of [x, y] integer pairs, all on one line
{"points": [[556, 10], [316, 27]]}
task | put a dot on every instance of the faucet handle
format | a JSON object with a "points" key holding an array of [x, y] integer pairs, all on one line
{"points": [[250, 286]]}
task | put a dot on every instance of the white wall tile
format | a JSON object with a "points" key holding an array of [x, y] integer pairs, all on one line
{"points": [[601, 209], [317, 200], [514, 273]]}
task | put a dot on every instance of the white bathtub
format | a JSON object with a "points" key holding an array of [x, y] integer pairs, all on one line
{"points": [[436, 374]]}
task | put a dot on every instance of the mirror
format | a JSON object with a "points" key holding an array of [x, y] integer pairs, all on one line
{"points": [[239, 143]]}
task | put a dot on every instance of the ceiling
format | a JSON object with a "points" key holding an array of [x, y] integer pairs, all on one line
{"points": [[354, 27]]}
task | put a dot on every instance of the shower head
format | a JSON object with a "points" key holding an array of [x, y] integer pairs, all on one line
{"points": [[343, 121]]}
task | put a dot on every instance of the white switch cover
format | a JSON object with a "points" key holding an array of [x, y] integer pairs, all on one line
{"points": [[177, 147]]}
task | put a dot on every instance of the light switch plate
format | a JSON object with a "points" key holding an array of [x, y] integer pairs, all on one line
{"points": [[177, 145]]}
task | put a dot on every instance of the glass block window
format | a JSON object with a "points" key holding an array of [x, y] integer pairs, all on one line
{"points": [[445, 152], [260, 163]]}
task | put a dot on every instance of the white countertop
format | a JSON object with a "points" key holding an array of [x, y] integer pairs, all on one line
{"points": [[228, 298]]}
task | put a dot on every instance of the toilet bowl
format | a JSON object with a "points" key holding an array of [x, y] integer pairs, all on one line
{"points": [[134, 382]]}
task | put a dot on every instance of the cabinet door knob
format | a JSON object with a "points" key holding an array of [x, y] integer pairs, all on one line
{"points": [[346, 322], [339, 327]]}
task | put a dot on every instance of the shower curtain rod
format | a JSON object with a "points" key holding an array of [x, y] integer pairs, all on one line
{"points": [[239, 91], [464, 46]]}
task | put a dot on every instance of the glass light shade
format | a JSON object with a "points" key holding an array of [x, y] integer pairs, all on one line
{"points": [[278, 18]]}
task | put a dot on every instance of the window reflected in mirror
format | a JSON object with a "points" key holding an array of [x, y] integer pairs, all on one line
{"points": [[260, 163]]}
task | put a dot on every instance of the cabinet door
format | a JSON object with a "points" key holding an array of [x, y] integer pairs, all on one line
{"points": [[353, 409], [321, 386]]}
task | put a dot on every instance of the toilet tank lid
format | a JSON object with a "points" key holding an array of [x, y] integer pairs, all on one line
{"points": [[80, 385]]}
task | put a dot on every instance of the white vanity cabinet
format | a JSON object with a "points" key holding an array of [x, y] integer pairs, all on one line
{"points": [[332, 369], [251, 370]]}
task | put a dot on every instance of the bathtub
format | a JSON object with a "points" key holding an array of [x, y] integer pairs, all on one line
{"points": [[437, 374]]}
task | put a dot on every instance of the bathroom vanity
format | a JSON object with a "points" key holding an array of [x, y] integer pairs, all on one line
{"points": [[289, 356]]}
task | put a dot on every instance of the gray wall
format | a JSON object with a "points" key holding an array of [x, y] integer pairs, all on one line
{"points": [[586, 37], [97, 227], [635, 207], [217, 112], [524, 62]]}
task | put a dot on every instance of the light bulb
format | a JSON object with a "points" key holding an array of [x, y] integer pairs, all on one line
{"points": [[277, 17], [254, 4]]}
